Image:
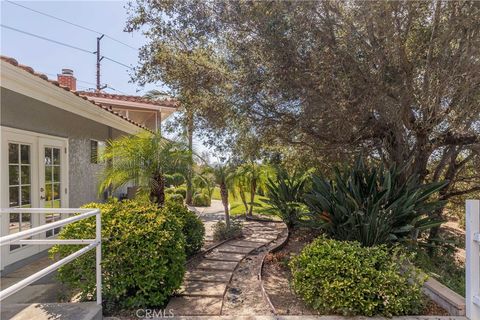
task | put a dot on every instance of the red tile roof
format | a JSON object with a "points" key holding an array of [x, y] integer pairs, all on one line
{"points": [[78, 94], [167, 102]]}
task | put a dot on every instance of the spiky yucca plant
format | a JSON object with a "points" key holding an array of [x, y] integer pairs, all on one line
{"points": [[372, 205], [285, 194]]}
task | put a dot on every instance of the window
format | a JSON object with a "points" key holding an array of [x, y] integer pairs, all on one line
{"points": [[93, 151], [52, 217], [19, 187], [96, 149]]}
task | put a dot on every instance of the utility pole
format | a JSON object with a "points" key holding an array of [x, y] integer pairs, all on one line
{"points": [[99, 58]]}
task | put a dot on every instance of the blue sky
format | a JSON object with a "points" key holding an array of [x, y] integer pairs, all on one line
{"points": [[49, 58], [106, 16]]}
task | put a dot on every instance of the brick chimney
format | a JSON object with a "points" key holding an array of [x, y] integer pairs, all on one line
{"points": [[67, 79]]}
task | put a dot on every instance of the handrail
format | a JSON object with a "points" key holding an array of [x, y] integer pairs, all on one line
{"points": [[52, 225], [19, 238]]}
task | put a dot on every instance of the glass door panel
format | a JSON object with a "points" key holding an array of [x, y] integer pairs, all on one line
{"points": [[52, 185], [19, 187]]}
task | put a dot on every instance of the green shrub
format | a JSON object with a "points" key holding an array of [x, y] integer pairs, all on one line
{"points": [[201, 200], [336, 277], [372, 205], [169, 190], [181, 190], [221, 232], [175, 179], [193, 227], [285, 195], [178, 179], [176, 197], [143, 254]]}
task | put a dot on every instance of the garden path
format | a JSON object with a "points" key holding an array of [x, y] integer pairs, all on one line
{"points": [[210, 216], [204, 287]]}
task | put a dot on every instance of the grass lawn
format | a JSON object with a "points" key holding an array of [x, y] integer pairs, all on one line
{"points": [[237, 207]]}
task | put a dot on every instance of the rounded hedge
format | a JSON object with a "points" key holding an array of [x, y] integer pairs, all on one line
{"points": [[176, 197], [193, 228], [201, 200], [181, 190], [336, 277], [221, 232], [143, 254]]}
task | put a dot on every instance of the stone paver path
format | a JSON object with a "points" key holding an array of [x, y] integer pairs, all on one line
{"points": [[210, 216], [205, 285]]}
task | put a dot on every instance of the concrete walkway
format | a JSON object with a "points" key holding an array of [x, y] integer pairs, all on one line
{"points": [[210, 216], [205, 285]]}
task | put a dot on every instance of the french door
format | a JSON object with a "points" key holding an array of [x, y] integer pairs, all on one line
{"points": [[53, 190], [34, 174]]}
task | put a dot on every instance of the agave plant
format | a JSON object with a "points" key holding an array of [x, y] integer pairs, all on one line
{"points": [[285, 195], [372, 205]]}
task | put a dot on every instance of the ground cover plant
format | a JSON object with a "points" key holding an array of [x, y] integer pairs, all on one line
{"points": [[222, 232]]}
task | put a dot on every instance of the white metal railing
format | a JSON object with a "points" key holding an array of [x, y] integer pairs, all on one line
{"points": [[21, 238], [472, 267]]}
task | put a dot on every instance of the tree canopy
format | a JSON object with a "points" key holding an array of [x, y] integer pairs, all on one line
{"points": [[397, 80]]}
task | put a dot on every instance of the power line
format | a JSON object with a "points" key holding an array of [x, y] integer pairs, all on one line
{"points": [[86, 82], [78, 80], [69, 46], [46, 39], [117, 62], [63, 44], [71, 23], [108, 87]]}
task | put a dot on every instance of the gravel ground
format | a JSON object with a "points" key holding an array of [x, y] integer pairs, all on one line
{"points": [[244, 294]]}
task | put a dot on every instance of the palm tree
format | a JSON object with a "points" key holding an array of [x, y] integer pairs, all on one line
{"points": [[189, 128], [144, 159], [240, 185], [256, 175], [224, 177], [205, 180]]}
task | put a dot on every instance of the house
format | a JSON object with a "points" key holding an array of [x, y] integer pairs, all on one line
{"points": [[50, 136], [143, 111]]}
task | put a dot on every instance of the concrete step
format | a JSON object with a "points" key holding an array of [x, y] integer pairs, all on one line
{"points": [[245, 243], [232, 249], [203, 289], [208, 276], [48, 311], [224, 256], [206, 264]]}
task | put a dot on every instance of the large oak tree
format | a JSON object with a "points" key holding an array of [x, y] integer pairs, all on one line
{"points": [[399, 80]]}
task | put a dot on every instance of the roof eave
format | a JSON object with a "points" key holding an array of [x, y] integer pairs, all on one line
{"points": [[21, 81]]}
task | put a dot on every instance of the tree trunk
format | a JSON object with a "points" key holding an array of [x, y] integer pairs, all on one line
{"points": [[189, 177], [224, 195], [244, 199], [158, 192], [253, 190], [443, 195]]}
